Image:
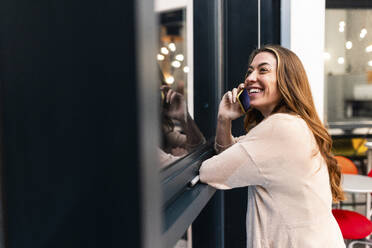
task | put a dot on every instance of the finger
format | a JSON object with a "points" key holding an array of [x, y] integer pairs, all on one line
{"points": [[240, 87], [172, 97], [229, 96], [169, 93], [234, 94]]}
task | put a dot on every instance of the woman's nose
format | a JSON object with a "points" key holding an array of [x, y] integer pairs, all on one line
{"points": [[252, 77]]}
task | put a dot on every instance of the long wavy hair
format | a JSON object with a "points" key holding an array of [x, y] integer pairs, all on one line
{"points": [[296, 98]]}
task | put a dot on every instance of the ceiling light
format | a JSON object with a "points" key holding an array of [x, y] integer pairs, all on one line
{"points": [[369, 49], [176, 64], [363, 33], [341, 60], [186, 69], [164, 50], [348, 44], [341, 29], [169, 80], [179, 57], [341, 24], [327, 56], [370, 63], [172, 47], [160, 57]]}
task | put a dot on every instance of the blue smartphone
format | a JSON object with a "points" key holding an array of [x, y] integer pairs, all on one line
{"points": [[243, 99]]}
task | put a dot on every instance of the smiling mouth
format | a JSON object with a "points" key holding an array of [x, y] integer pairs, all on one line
{"points": [[254, 91]]}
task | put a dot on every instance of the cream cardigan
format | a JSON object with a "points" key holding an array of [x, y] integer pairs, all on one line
{"points": [[289, 196]]}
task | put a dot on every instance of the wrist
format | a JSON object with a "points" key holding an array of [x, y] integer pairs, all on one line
{"points": [[222, 118]]}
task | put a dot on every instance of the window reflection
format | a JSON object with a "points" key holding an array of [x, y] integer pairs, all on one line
{"points": [[348, 64], [179, 133]]}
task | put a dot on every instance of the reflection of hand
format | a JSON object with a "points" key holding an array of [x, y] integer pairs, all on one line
{"points": [[229, 108], [178, 151], [176, 106]]}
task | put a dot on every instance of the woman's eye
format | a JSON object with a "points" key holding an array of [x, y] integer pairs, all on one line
{"points": [[264, 70]]}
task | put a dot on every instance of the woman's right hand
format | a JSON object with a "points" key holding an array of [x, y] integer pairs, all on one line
{"points": [[229, 108]]}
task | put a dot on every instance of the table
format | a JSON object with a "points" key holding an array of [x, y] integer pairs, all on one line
{"points": [[359, 184], [369, 156]]}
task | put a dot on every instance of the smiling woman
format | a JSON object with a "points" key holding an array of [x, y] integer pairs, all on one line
{"points": [[284, 158]]}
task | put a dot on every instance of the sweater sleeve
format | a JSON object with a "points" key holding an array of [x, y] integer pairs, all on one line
{"points": [[220, 148], [232, 168], [264, 154]]}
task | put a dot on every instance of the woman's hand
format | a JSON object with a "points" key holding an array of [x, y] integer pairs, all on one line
{"points": [[176, 106], [229, 108]]}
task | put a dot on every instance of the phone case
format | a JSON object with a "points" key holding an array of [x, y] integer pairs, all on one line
{"points": [[243, 99]]}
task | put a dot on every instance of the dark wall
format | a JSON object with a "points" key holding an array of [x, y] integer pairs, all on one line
{"points": [[205, 67], [241, 38], [69, 128], [207, 229]]}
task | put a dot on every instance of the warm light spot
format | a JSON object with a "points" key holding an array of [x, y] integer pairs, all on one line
{"points": [[164, 50], [348, 44], [363, 33], [172, 47], [369, 49], [169, 80], [160, 57], [176, 64], [179, 57]]}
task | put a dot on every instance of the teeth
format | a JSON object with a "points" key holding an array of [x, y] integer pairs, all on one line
{"points": [[254, 90]]}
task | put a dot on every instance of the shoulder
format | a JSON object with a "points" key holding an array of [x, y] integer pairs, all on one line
{"points": [[278, 127], [286, 119], [288, 125]]}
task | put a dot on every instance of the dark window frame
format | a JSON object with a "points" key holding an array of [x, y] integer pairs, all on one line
{"points": [[181, 203], [348, 4]]}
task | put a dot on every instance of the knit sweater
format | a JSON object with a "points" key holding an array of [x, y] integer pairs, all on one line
{"points": [[289, 195]]}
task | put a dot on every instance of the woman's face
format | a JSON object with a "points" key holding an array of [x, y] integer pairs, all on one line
{"points": [[262, 84]]}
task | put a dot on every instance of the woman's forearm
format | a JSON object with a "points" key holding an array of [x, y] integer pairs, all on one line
{"points": [[223, 132]]}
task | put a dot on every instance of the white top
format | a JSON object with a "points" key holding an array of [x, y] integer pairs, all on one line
{"points": [[356, 183], [289, 196]]}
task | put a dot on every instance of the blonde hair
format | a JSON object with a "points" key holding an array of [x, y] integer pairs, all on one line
{"points": [[295, 91]]}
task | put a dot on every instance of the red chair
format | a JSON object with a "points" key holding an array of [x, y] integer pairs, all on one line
{"points": [[353, 226], [370, 174]]}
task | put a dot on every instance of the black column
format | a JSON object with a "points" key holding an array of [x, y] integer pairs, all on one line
{"points": [[69, 122], [241, 38]]}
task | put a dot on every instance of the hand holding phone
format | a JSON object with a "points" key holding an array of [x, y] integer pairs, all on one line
{"points": [[243, 99]]}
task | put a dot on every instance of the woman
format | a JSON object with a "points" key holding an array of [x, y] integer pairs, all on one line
{"points": [[285, 157]]}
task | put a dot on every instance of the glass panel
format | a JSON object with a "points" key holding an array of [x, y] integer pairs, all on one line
{"points": [[348, 80], [180, 134], [348, 64]]}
